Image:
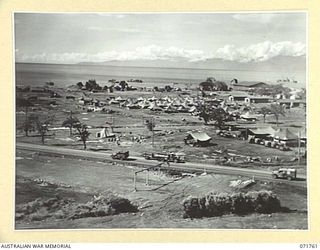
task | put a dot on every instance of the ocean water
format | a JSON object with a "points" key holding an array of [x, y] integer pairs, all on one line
{"points": [[64, 75]]}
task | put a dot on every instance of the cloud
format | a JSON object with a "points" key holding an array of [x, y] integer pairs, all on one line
{"points": [[255, 18], [260, 52], [253, 53]]}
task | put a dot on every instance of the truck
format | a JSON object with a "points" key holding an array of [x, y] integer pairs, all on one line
{"points": [[120, 155], [285, 173], [170, 157]]}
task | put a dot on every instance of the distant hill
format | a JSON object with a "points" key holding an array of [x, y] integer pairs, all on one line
{"points": [[280, 63]]}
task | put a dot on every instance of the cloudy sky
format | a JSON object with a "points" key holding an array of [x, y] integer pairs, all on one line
{"points": [[98, 37]]}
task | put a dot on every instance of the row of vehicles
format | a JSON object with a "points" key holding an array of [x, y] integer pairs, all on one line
{"points": [[281, 173], [169, 157]]}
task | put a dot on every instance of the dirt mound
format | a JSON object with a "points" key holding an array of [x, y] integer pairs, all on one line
{"points": [[60, 208], [237, 203]]}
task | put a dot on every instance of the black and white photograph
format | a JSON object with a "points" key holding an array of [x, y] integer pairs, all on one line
{"points": [[161, 120]]}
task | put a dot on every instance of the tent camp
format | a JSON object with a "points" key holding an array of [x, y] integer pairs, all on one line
{"points": [[197, 139]]}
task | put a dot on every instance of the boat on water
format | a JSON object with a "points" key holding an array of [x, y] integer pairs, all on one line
{"points": [[287, 80]]}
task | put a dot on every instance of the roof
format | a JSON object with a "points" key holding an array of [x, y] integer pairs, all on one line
{"points": [[264, 131], [250, 84], [247, 115], [285, 134], [200, 136], [291, 101], [259, 97]]}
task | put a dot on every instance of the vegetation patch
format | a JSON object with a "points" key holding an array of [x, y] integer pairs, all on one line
{"points": [[211, 205], [59, 208]]}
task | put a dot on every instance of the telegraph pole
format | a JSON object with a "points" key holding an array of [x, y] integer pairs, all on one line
{"points": [[299, 145], [153, 125]]}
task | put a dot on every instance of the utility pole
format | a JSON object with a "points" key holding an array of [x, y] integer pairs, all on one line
{"points": [[153, 125], [71, 122], [299, 145]]}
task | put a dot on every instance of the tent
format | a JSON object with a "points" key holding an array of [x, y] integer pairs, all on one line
{"points": [[198, 138], [285, 136], [105, 133], [264, 131], [248, 116], [155, 107]]}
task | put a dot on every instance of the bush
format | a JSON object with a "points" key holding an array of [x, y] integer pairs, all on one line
{"points": [[59, 208], [236, 203]]}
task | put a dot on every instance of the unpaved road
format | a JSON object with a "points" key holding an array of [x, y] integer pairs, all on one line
{"points": [[139, 161]]}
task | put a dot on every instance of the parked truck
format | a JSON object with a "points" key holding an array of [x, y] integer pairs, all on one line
{"points": [[120, 155], [285, 173]]}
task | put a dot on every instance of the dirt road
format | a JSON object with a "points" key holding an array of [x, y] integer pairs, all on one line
{"points": [[141, 162]]}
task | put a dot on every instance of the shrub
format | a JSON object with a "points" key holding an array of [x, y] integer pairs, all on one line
{"points": [[237, 203]]}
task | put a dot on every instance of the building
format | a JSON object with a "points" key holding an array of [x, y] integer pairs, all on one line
{"points": [[257, 99], [237, 97], [291, 103]]}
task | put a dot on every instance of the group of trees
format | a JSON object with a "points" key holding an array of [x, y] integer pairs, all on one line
{"points": [[90, 85], [41, 122], [220, 116], [73, 122]]}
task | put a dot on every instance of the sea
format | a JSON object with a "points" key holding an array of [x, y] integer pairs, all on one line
{"points": [[36, 74]]}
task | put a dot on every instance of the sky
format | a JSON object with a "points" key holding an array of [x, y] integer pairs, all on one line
{"points": [[100, 37]]}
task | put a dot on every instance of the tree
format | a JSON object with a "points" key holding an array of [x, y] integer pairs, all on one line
{"points": [[83, 133], [20, 102], [277, 110], [123, 85], [70, 122], [219, 115], [80, 85], [264, 112], [42, 123], [204, 114], [92, 85]]}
